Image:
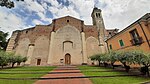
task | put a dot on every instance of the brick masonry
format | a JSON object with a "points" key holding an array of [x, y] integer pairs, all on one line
{"points": [[49, 44]]}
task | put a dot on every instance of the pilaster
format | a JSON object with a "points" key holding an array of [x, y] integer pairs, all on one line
{"points": [[84, 48], [30, 53], [51, 44]]}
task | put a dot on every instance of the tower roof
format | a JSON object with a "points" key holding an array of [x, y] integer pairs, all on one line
{"points": [[95, 9]]}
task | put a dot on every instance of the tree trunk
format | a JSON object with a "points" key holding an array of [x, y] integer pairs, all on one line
{"points": [[112, 64], [18, 64], [99, 63], [126, 67], [147, 70], [13, 65], [105, 64]]}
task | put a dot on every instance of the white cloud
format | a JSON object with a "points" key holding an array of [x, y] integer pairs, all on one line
{"points": [[64, 11], [60, 11], [84, 8], [53, 2], [33, 6], [121, 13], [39, 9], [43, 17], [10, 22], [77, 8], [116, 13]]}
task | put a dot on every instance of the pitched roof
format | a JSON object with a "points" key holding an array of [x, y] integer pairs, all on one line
{"points": [[68, 17]]}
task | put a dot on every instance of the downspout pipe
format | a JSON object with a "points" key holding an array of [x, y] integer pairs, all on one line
{"points": [[144, 34]]}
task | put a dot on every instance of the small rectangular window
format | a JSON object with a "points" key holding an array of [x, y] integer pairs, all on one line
{"points": [[110, 46], [121, 43]]}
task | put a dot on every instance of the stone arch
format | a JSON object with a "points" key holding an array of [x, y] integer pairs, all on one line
{"points": [[68, 34], [67, 46], [22, 47], [71, 36], [66, 31], [92, 46], [41, 50]]}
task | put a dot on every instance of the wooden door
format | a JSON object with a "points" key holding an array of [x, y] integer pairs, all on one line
{"points": [[67, 59]]}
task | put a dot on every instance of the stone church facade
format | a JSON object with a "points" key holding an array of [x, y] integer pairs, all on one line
{"points": [[66, 41]]}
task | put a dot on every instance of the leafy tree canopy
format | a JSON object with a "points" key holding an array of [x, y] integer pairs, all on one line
{"points": [[10, 58], [3, 40], [8, 3]]}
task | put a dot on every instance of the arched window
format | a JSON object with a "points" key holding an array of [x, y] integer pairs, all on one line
{"points": [[99, 15], [96, 15], [67, 45]]}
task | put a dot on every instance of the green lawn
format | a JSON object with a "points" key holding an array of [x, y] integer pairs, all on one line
{"points": [[34, 69], [87, 70]]}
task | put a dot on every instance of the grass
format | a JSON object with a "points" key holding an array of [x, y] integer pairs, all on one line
{"points": [[110, 80], [23, 70]]}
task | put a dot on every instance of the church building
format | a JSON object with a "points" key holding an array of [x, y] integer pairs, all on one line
{"points": [[66, 41]]}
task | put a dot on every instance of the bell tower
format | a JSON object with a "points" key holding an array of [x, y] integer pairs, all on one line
{"points": [[99, 23]]}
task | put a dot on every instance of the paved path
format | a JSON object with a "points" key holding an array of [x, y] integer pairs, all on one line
{"points": [[65, 71]]}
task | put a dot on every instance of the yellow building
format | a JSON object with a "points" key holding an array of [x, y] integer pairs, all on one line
{"points": [[135, 36]]}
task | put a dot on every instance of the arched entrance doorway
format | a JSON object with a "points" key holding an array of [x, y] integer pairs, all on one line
{"points": [[67, 59]]}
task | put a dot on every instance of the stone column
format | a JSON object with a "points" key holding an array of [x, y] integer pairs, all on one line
{"points": [[29, 53], [84, 48], [50, 55]]}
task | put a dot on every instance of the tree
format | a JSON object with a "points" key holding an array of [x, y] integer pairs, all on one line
{"points": [[112, 57], [3, 59], [8, 3], [12, 59], [125, 57], [100, 58], [104, 59], [95, 57], [141, 58], [24, 59], [134, 57], [3, 40], [19, 59], [146, 62]]}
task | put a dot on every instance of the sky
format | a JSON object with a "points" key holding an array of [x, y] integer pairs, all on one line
{"points": [[116, 13]]}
